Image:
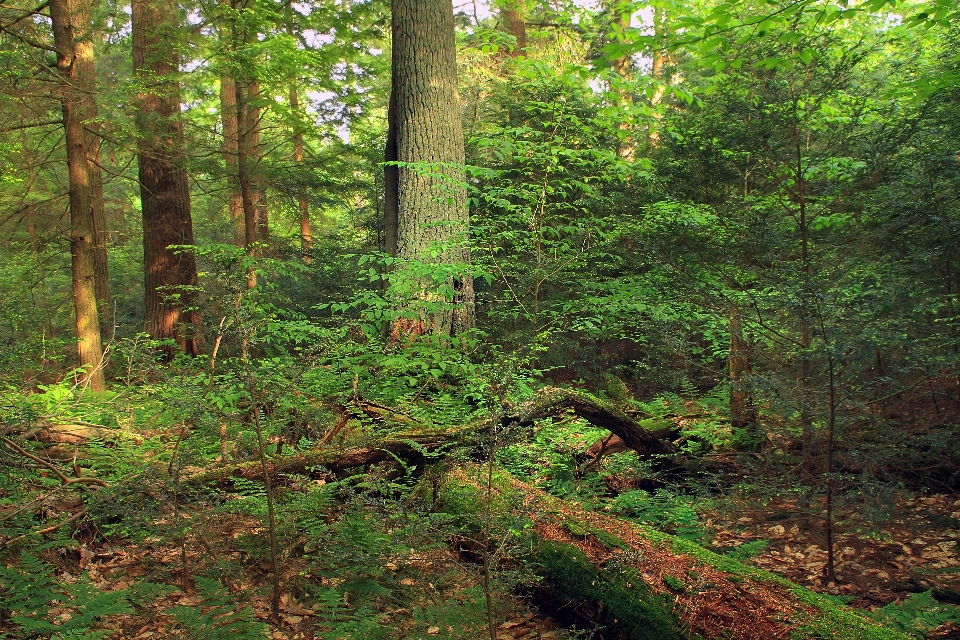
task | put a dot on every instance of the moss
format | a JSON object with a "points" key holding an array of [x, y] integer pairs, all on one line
{"points": [[610, 541], [624, 602], [832, 621], [673, 583]]}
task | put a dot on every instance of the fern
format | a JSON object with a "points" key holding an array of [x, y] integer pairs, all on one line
{"points": [[918, 615], [30, 591], [216, 617]]}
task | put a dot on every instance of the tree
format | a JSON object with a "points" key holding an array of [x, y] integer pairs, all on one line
{"points": [[431, 197], [82, 239], [512, 22], [164, 191], [85, 78]]}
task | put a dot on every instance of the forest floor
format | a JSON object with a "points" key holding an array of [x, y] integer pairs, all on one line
{"points": [[915, 551]]}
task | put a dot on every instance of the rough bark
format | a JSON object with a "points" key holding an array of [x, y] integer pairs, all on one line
{"points": [[164, 190], [512, 21], [306, 238], [228, 116], [252, 117], [391, 196], [84, 75], [248, 192], [431, 196], [82, 241]]}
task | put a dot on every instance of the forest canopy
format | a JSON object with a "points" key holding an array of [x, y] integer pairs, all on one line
{"points": [[499, 318]]}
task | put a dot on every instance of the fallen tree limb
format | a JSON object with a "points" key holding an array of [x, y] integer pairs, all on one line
{"points": [[419, 442], [66, 480]]}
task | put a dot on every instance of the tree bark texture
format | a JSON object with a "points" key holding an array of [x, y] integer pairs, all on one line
{"points": [[431, 196], [81, 213], [164, 190], [85, 82], [512, 21], [252, 117], [391, 196], [228, 116], [306, 238]]}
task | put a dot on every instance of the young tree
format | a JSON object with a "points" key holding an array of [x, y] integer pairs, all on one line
{"points": [[431, 197], [164, 191]]}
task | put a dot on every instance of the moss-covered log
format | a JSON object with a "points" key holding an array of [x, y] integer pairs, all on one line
{"points": [[415, 443], [640, 583]]}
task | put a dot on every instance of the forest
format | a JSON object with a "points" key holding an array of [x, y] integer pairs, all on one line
{"points": [[609, 319]]}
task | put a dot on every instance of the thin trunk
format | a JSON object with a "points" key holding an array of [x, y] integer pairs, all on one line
{"points": [[624, 67], [743, 414], [164, 190], [805, 332], [306, 239], [247, 189], [246, 149], [85, 82], [89, 343], [228, 114], [391, 195], [252, 115], [656, 71], [432, 212]]}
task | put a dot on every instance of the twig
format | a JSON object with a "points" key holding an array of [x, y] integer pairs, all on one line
{"points": [[63, 478], [73, 518]]}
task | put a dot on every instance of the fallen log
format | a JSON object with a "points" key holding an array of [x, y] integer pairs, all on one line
{"points": [[640, 584], [420, 442]]}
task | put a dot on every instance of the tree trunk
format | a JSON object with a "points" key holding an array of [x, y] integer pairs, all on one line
{"points": [[252, 115], [415, 440], [656, 71], [248, 192], [306, 238], [164, 191], [246, 145], [85, 81], [81, 213], [512, 21], [743, 414], [228, 115], [391, 196], [432, 208], [623, 65]]}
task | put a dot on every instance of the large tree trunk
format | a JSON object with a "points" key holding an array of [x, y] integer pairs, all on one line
{"points": [[82, 242], [432, 208], [85, 82], [512, 22], [164, 191]]}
